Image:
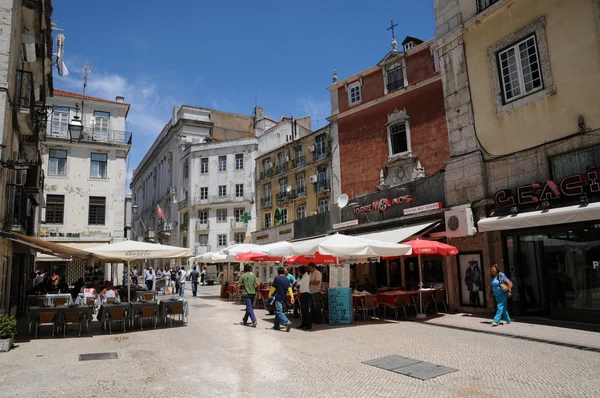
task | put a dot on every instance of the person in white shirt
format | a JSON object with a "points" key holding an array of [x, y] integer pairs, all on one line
{"points": [[167, 277], [303, 283], [150, 279], [315, 291], [182, 275], [38, 278]]}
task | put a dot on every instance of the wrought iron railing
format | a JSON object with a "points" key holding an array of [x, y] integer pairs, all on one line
{"points": [[91, 134], [201, 249], [483, 4], [298, 161], [282, 167], [322, 185], [266, 202], [238, 224], [202, 225], [265, 174], [320, 152]]}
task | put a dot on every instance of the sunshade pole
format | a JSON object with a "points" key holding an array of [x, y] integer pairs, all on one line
{"points": [[128, 281], [420, 286]]}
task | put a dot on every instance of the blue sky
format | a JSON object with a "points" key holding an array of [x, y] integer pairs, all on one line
{"points": [[226, 54]]}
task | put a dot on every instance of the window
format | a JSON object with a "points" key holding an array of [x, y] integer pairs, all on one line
{"points": [[203, 216], [299, 159], [239, 161], [223, 163], [266, 164], [184, 241], [97, 211], [204, 193], [395, 77], [222, 191], [239, 237], [238, 213], [398, 138], [354, 93], [202, 240], [203, 165], [222, 240], [185, 222], [300, 186], [320, 147], [300, 212], [483, 4], [267, 192], [55, 209], [186, 169], [520, 70], [267, 220], [322, 180], [283, 185], [323, 205], [409, 46], [221, 215], [57, 162], [60, 122], [239, 190], [284, 216], [98, 165], [101, 125]]}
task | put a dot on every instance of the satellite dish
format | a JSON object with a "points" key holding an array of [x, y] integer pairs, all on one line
{"points": [[342, 200], [288, 188]]}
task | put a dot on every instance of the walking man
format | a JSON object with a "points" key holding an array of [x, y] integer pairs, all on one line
{"points": [[305, 298], [194, 275], [315, 292], [174, 281], [248, 281], [203, 276], [281, 288], [182, 275], [134, 276], [167, 277], [150, 279]]}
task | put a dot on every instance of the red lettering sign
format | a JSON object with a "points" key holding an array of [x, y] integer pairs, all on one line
{"points": [[383, 204]]}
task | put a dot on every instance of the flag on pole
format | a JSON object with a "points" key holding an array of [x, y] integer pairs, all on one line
{"points": [[159, 211]]}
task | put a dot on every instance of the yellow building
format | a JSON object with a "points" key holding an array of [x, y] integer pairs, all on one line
{"points": [[293, 182]]}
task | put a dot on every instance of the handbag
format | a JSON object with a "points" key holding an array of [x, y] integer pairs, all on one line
{"points": [[503, 285]]}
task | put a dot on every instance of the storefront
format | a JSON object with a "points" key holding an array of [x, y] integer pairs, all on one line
{"points": [[551, 246]]}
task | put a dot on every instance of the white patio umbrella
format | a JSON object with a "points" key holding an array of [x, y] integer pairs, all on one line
{"points": [[213, 257], [130, 251], [242, 248]]}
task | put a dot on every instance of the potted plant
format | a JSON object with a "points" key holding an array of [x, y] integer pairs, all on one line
{"points": [[8, 329], [224, 286]]}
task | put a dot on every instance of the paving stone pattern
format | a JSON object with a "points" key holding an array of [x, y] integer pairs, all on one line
{"points": [[213, 357]]}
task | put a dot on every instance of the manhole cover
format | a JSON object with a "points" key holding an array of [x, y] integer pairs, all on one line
{"points": [[98, 356], [410, 367], [202, 305]]}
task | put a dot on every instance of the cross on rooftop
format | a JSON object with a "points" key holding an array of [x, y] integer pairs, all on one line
{"points": [[392, 26]]}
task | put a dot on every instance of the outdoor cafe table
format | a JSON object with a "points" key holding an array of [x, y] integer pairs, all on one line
{"points": [[357, 298], [105, 310], [32, 300], [165, 307], [389, 298], [136, 308], [34, 313]]}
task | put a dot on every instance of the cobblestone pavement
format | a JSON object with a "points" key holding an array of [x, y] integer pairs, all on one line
{"points": [[214, 357]]}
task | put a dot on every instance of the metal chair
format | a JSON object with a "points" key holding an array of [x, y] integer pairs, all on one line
{"points": [[60, 302], [176, 309], [147, 313], [440, 297], [110, 300], [40, 301], [116, 315], [368, 304], [74, 318], [407, 303], [91, 302], [45, 318], [425, 297], [148, 297], [394, 307]]}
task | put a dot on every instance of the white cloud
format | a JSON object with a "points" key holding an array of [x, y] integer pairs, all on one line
{"points": [[318, 109]]}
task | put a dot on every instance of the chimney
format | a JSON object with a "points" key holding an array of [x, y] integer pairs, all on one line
{"points": [[259, 112], [120, 99]]}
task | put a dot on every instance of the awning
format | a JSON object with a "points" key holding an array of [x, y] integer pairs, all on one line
{"points": [[45, 246], [41, 256], [396, 235], [541, 218]]}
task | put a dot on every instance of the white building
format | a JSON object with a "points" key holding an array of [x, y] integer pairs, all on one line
{"points": [[85, 180]]}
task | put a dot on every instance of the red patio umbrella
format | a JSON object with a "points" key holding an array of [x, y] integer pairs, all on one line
{"points": [[256, 257], [427, 248], [316, 258]]}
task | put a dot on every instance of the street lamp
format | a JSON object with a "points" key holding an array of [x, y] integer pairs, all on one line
{"points": [[75, 126], [134, 209]]}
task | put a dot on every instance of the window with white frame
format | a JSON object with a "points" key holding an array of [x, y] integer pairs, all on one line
{"points": [[239, 161], [203, 193], [202, 240], [520, 70], [222, 191], [223, 163], [323, 205], [221, 215], [239, 237], [267, 192], [300, 212], [354, 94], [300, 186], [395, 77], [239, 190], [222, 240], [238, 213], [101, 125], [398, 138], [57, 162], [267, 223], [98, 165], [203, 165], [409, 46], [203, 216], [284, 216], [60, 122]]}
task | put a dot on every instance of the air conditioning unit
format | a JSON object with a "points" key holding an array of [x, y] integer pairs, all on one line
{"points": [[312, 148], [459, 223], [313, 179]]}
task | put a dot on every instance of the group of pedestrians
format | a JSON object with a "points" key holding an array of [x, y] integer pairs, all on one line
{"points": [[174, 278]]}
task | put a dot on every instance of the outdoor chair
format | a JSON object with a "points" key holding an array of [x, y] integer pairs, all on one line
{"points": [[439, 297], [408, 302], [177, 310], [116, 315], [45, 318], [394, 307], [110, 300], [148, 297], [147, 313], [60, 301], [74, 318], [91, 302], [426, 302], [368, 304], [40, 301]]}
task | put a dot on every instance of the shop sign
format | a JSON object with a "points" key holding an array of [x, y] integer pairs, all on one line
{"points": [[571, 186], [383, 204], [275, 234], [345, 224], [422, 209]]}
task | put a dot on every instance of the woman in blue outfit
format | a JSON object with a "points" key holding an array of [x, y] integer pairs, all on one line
{"points": [[498, 278]]}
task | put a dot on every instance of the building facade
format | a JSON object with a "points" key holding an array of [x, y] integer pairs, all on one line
{"points": [[519, 87], [293, 182], [85, 181], [26, 81]]}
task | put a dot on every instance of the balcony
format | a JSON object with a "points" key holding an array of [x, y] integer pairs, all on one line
{"points": [[25, 101], [202, 225], [298, 161], [35, 179], [483, 4], [282, 168], [299, 192], [395, 85], [201, 249], [320, 153], [283, 197], [266, 202], [164, 226], [323, 185], [91, 134], [182, 203], [238, 224], [16, 209], [265, 174], [184, 226]]}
